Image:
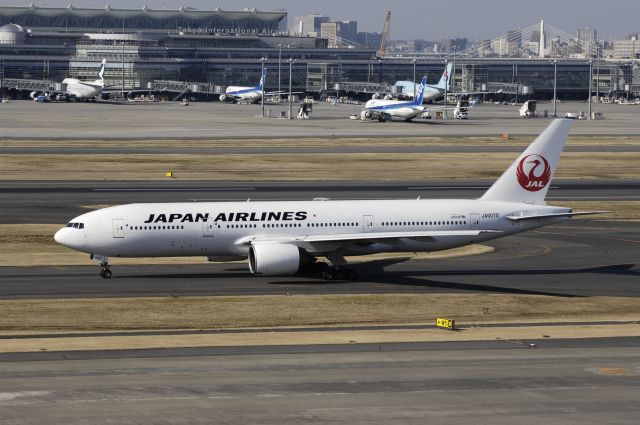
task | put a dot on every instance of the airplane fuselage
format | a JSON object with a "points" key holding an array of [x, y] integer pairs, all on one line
{"points": [[393, 108], [228, 228], [82, 89], [243, 94]]}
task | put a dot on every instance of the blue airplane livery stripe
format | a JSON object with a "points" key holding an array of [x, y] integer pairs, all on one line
{"points": [[250, 90]]}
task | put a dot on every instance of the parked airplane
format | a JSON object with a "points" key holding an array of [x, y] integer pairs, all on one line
{"points": [[435, 91], [287, 237], [382, 109], [79, 89], [246, 94]]}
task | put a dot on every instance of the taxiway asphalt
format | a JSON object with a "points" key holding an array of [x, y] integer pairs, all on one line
{"points": [[562, 382], [579, 258], [208, 120], [60, 201]]}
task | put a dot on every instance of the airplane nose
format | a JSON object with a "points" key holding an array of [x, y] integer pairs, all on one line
{"points": [[59, 236]]}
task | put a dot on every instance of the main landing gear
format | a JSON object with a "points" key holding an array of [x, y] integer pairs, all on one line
{"points": [[105, 268], [340, 274]]}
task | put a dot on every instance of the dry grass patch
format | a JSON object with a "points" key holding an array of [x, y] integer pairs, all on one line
{"points": [[282, 167], [319, 142], [113, 314]]}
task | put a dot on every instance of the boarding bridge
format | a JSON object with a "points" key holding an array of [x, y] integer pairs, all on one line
{"points": [[507, 88], [30, 85], [184, 87], [363, 87]]}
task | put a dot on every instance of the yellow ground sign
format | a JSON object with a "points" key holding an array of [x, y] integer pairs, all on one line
{"points": [[446, 324]]}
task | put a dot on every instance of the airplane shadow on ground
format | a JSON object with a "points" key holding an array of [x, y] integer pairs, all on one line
{"points": [[372, 273]]}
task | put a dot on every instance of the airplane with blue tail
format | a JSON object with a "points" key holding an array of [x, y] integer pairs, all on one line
{"points": [[383, 110], [248, 94]]}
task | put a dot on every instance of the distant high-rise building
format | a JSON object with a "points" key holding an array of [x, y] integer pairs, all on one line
{"points": [[626, 49], [587, 39], [308, 25], [447, 45], [369, 39], [340, 33]]}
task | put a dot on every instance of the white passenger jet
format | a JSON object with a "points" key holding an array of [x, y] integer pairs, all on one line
{"points": [[81, 89], [287, 237], [383, 109], [246, 94], [436, 91]]}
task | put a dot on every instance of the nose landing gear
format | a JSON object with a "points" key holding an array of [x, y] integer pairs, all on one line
{"points": [[105, 268]]}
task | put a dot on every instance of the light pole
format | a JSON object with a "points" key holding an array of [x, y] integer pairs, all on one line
{"points": [[598, 73], [555, 86], [279, 60], [262, 61], [122, 93], [590, 84], [413, 61], [291, 62], [446, 86], [453, 69]]}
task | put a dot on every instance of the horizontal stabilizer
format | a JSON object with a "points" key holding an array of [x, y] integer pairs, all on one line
{"points": [[567, 214]]}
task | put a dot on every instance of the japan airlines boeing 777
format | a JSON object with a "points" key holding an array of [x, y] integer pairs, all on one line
{"points": [[284, 238]]}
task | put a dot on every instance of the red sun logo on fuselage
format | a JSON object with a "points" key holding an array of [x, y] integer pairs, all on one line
{"points": [[533, 172]]}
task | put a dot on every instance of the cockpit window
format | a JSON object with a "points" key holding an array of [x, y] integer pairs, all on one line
{"points": [[75, 225]]}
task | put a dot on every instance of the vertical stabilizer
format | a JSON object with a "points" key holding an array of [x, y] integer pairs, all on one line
{"points": [[444, 79], [529, 177], [101, 71], [263, 78], [420, 96]]}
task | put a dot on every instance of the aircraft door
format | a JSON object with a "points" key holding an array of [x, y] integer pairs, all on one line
{"points": [[367, 223], [474, 221], [118, 228], [207, 227]]}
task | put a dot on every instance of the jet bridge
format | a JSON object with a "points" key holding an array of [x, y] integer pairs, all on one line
{"points": [[30, 85]]}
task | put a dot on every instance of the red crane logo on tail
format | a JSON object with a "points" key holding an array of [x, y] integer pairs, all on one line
{"points": [[533, 172]]}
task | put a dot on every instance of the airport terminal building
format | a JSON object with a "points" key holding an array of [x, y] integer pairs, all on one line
{"points": [[146, 48]]}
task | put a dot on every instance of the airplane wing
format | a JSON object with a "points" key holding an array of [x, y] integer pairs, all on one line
{"points": [[340, 239], [537, 216], [473, 93]]}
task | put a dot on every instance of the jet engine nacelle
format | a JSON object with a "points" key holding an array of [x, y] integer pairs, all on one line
{"points": [[365, 115], [34, 94], [375, 96], [223, 97], [274, 259]]}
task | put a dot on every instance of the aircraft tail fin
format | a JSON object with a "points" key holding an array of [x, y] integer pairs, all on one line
{"points": [[101, 71], [529, 177], [263, 78], [420, 96], [444, 79]]}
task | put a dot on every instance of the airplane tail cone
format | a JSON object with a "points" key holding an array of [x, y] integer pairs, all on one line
{"points": [[529, 177]]}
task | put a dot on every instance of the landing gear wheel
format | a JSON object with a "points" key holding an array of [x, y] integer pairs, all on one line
{"points": [[351, 275], [329, 275], [105, 273]]}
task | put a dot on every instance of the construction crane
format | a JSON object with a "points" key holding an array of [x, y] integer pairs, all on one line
{"points": [[385, 36]]}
